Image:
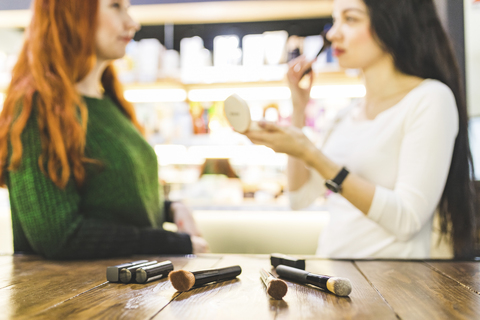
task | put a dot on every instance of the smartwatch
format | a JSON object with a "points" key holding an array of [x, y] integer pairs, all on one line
{"points": [[335, 184]]}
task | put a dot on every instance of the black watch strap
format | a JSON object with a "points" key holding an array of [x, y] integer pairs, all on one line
{"points": [[335, 184], [340, 176]]}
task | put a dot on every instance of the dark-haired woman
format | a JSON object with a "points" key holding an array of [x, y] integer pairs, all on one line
{"points": [[83, 181], [401, 154]]}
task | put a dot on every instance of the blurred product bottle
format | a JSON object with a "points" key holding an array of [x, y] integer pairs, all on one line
{"points": [[275, 47], [190, 52], [149, 53], [193, 56], [198, 120], [183, 121], [170, 65], [126, 67], [253, 50], [226, 51], [253, 57]]}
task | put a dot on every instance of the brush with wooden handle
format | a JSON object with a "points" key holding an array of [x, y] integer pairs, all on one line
{"points": [[276, 288]]}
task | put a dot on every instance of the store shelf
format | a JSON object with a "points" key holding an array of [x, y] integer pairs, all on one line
{"points": [[231, 11], [15, 18], [347, 85], [205, 12], [326, 84]]}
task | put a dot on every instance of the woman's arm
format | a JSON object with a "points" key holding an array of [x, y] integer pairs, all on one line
{"points": [[424, 163], [426, 151], [297, 173], [292, 141]]}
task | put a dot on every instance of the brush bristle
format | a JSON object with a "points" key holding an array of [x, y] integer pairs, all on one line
{"points": [[339, 286], [277, 289], [181, 280]]}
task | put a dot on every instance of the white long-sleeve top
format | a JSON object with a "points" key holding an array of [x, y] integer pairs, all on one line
{"points": [[406, 152]]}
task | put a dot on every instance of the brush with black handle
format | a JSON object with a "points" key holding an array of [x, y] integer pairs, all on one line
{"points": [[326, 44], [336, 285]]}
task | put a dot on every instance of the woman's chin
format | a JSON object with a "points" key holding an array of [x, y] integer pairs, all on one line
{"points": [[112, 55], [347, 64]]}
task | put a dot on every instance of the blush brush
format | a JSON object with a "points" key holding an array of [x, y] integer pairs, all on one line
{"points": [[183, 280], [276, 288], [326, 44]]}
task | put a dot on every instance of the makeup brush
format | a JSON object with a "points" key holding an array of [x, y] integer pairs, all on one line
{"points": [[326, 44], [276, 288], [184, 280], [336, 285]]}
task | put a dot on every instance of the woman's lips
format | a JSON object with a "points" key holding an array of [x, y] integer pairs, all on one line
{"points": [[338, 52], [126, 39]]}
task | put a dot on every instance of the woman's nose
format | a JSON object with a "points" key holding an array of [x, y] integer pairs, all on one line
{"points": [[332, 34], [132, 24]]}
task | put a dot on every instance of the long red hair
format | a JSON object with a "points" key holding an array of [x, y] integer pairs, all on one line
{"points": [[59, 51]]}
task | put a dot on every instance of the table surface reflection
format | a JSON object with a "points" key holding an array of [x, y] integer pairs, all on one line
{"points": [[34, 288]]}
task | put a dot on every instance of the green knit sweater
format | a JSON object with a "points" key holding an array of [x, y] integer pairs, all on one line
{"points": [[119, 209]]}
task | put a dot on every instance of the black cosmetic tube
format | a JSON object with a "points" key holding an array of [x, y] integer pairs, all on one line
{"points": [[114, 271], [127, 275], [153, 272], [277, 259]]}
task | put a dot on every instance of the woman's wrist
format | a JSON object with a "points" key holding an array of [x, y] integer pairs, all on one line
{"points": [[298, 119], [310, 155], [314, 158]]}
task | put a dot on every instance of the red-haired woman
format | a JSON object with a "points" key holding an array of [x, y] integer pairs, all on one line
{"points": [[82, 179]]}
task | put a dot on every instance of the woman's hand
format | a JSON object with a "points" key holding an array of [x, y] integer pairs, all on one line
{"points": [[199, 245], [183, 218], [289, 140], [300, 96]]}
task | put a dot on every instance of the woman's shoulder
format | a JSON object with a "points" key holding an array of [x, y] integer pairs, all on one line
{"points": [[433, 100], [431, 94], [434, 89]]}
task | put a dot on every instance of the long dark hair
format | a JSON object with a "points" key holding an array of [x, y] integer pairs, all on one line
{"points": [[411, 32]]}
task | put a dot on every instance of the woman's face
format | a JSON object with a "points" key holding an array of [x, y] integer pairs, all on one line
{"points": [[115, 29], [352, 41]]}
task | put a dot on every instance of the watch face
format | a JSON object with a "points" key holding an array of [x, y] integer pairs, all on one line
{"points": [[332, 186]]}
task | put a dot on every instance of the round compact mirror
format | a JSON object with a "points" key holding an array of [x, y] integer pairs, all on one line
{"points": [[237, 113]]}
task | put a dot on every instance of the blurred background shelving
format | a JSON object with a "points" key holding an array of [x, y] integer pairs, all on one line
{"points": [[187, 58]]}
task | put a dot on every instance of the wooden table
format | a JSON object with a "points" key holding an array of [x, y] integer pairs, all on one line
{"points": [[33, 288]]}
